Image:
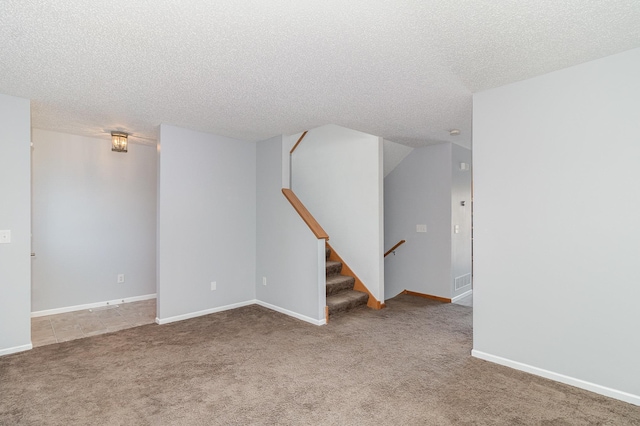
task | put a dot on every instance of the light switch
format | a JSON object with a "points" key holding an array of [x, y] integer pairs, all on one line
{"points": [[5, 236], [421, 228], [456, 229]]}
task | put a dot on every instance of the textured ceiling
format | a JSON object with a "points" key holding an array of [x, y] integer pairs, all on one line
{"points": [[403, 70]]}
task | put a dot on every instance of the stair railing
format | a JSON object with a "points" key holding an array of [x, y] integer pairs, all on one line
{"points": [[311, 222], [393, 249], [291, 153], [298, 143]]}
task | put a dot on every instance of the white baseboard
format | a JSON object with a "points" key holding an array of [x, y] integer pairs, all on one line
{"points": [[462, 296], [92, 305], [162, 321], [602, 390], [205, 312], [16, 349], [291, 313]]}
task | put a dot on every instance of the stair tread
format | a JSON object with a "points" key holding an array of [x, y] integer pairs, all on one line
{"points": [[339, 278], [333, 267], [337, 283], [345, 300]]}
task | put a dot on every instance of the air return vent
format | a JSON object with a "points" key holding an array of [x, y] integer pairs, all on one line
{"points": [[462, 281]]}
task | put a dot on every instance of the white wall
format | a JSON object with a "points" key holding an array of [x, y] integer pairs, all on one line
{"points": [[15, 215], [206, 222], [556, 230], [286, 249], [418, 191], [461, 216], [94, 217], [337, 174]]}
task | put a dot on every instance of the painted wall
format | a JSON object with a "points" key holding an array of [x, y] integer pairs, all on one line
{"points": [[460, 216], [418, 191], [206, 222], [556, 230], [286, 249], [393, 153], [15, 216], [94, 217], [337, 174]]}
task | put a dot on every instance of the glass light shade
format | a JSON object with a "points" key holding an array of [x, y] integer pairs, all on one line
{"points": [[119, 142]]}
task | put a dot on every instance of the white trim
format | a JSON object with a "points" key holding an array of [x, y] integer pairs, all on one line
{"points": [[16, 349], [462, 296], [168, 320], [322, 280], [593, 387], [291, 313], [92, 305], [162, 321]]}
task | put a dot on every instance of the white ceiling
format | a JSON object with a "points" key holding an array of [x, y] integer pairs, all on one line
{"points": [[249, 69]]}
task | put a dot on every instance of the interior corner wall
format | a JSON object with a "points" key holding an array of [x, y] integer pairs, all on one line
{"points": [[286, 249], [556, 227], [288, 142], [94, 217], [206, 222], [337, 174], [418, 192], [15, 216], [460, 217]]}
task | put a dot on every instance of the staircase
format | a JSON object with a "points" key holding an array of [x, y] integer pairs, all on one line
{"points": [[340, 293]]}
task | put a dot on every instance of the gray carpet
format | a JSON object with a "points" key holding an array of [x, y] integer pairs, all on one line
{"points": [[408, 364]]}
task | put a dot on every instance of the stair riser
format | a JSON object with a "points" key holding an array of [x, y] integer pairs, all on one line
{"points": [[347, 303], [334, 269], [345, 283]]}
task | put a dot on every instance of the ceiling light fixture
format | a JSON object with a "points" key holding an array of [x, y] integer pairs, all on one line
{"points": [[119, 141], [454, 132]]}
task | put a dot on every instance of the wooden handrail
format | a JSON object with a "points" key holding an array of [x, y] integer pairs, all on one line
{"points": [[391, 250], [311, 222], [298, 143]]}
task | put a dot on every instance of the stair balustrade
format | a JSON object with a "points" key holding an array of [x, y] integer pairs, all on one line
{"points": [[393, 249]]}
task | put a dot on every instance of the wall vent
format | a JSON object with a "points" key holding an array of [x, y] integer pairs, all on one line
{"points": [[462, 281]]}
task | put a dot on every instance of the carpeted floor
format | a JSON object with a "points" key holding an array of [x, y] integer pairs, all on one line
{"points": [[408, 364]]}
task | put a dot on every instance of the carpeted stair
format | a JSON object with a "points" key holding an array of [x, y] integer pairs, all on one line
{"points": [[340, 293]]}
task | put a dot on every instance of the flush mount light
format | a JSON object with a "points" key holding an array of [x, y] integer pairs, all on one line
{"points": [[454, 132], [119, 142]]}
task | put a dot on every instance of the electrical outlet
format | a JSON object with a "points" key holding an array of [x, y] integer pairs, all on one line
{"points": [[264, 280], [421, 228], [120, 278], [213, 285]]}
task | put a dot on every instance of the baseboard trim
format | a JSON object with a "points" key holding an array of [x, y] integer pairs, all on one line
{"points": [[92, 305], [582, 384], [427, 296], [15, 349], [190, 315], [461, 296], [291, 313], [287, 312]]}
